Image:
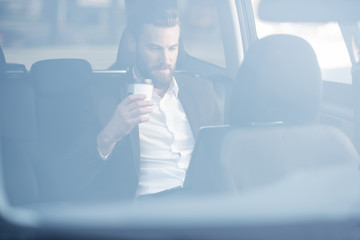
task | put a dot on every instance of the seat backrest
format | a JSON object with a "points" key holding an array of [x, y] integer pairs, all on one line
{"points": [[273, 135], [62, 90], [18, 136], [256, 157], [60, 87], [124, 58]]}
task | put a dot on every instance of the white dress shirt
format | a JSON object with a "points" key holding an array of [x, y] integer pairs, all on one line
{"points": [[166, 144]]}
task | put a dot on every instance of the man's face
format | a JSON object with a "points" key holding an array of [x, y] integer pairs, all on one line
{"points": [[156, 53]]}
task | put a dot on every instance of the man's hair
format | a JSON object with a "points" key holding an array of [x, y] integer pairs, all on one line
{"points": [[160, 13]]}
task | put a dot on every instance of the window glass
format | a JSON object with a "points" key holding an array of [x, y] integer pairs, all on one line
{"points": [[32, 30], [201, 31], [325, 38]]}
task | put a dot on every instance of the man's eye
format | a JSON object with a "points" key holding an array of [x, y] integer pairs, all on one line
{"points": [[154, 48]]}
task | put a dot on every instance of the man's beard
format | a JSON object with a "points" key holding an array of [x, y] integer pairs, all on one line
{"points": [[160, 80]]}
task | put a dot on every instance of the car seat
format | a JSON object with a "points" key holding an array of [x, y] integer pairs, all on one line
{"points": [[273, 132], [18, 135], [63, 108]]}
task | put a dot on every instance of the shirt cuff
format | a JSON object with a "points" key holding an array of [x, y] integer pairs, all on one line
{"points": [[103, 157]]}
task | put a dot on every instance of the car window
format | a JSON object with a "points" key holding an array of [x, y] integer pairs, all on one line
{"points": [[201, 31], [325, 38], [235, 172], [35, 30]]}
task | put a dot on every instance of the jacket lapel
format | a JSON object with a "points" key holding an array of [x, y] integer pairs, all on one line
{"points": [[135, 144], [134, 134], [187, 99]]}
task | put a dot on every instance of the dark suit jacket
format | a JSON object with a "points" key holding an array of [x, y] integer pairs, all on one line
{"points": [[117, 177]]}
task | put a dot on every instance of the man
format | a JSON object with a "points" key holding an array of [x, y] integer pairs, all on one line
{"points": [[146, 145]]}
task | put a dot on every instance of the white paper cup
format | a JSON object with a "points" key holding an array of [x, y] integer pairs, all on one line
{"points": [[141, 88]]}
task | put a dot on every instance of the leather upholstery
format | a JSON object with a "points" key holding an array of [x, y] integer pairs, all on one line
{"points": [[63, 102], [18, 135], [273, 134], [279, 80], [61, 76]]}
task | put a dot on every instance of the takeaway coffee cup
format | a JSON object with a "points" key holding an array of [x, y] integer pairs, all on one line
{"points": [[143, 86]]}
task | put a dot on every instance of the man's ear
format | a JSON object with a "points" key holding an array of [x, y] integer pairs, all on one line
{"points": [[131, 43]]}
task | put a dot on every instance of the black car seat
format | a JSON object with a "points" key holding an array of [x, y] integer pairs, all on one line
{"points": [[273, 131], [63, 102], [18, 135]]}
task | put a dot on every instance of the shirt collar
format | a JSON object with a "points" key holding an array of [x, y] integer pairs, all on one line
{"points": [[135, 76], [173, 87]]}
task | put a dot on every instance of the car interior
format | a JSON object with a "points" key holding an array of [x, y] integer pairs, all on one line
{"points": [[279, 116], [219, 81], [50, 101], [274, 129]]}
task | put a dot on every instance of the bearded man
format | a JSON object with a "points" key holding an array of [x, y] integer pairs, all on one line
{"points": [[146, 145]]}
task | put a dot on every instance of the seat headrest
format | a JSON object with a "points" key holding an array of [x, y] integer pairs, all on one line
{"points": [[278, 81], [60, 76], [125, 58]]}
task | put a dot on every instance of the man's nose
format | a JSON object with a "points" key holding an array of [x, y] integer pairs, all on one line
{"points": [[165, 57]]}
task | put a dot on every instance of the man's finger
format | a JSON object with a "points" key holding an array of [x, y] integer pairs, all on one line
{"points": [[140, 111], [138, 120], [133, 97], [139, 104]]}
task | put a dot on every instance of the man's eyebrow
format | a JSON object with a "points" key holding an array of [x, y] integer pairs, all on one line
{"points": [[159, 46], [153, 45]]}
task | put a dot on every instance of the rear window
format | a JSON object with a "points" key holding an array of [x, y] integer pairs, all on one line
{"points": [[325, 38], [32, 30], [201, 31]]}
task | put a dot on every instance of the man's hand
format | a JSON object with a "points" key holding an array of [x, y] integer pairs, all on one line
{"points": [[128, 114]]}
